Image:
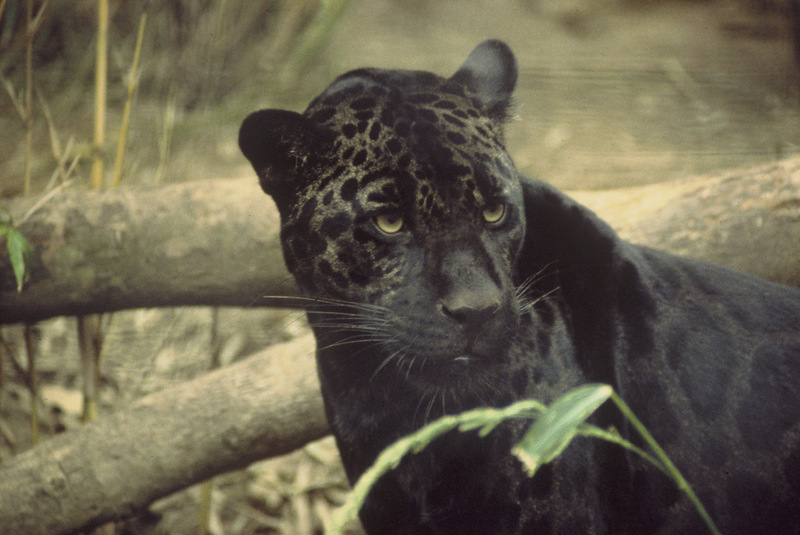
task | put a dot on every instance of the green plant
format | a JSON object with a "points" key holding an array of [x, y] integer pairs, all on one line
{"points": [[552, 431], [19, 250]]}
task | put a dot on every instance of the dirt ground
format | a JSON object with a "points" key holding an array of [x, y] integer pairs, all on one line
{"points": [[611, 93]]}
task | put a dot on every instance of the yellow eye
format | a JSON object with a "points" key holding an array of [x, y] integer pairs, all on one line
{"points": [[389, 223], [494, 212]]}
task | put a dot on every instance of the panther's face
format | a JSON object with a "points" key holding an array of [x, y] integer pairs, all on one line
{"points": [[402, 211]]}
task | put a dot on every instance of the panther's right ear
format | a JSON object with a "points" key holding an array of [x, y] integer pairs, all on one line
{"points": [[278, 144], [490, 72]]}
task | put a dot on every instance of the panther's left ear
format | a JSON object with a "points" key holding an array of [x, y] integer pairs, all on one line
{"points": [[490, 72]]}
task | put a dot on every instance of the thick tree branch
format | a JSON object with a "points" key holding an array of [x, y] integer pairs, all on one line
{"points": [[266, 405], [217, 243], [748, 219], [209, 242]]}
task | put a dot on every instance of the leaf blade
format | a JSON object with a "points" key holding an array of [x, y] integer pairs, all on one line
{"points": [[19, 252], [555, 429]]}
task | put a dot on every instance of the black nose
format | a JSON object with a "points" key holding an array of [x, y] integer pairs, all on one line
{"points": [[472, 295], [471, 314]]}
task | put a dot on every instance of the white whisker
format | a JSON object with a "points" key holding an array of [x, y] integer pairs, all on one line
{"points": [[523, 291], [398, 353]]}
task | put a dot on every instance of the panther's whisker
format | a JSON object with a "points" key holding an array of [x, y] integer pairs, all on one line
{"points": [[443, 398], [410, 365], [427, 417], [527, 303], [350, 326], [387, 360], [354, 340], [420, 402], [535, 278]]}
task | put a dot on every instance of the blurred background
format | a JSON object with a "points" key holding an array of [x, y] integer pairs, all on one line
{"points": [[611, 93]]}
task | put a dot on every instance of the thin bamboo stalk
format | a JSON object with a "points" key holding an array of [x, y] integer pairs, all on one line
{"points": [[30, 351], [28, 118], [126, 114], [100, 94]]}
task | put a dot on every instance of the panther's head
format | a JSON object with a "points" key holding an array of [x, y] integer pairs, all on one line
{"points": [[400, 204]]}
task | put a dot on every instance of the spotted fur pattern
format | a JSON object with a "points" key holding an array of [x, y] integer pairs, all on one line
{"points": [[437, 279]]}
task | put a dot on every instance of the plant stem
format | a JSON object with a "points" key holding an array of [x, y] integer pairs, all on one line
{"points": [[671, 469], [206, 489], [90, 327], [32, 383], [100, 94], [204, 514], [128, 103], [312, 40], [28, 95], [89, 345]]}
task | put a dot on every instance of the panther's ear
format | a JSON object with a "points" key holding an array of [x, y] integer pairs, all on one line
{"points": [[490, 72], [278, 144]]}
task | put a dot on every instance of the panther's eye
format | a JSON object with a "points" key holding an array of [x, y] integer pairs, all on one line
{"points": [[494, 212], [389, 223]]}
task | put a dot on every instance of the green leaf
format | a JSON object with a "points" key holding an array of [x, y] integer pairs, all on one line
{"points": [[19, 251], [558, 425]]}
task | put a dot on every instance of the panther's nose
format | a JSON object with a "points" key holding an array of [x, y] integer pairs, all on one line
{"points": [[471, 315], [472, 296]]}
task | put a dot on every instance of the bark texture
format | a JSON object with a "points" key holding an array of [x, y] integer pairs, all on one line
{"points": [[748, 219], [212, 242]]}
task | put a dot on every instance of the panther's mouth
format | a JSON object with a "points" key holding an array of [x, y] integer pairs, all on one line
{"points": [[457, 371], [468, 359], [458, 363]]}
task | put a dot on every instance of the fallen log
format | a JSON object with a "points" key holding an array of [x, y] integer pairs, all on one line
{"points": [[748, 219], [266, 405], [211, 242]]}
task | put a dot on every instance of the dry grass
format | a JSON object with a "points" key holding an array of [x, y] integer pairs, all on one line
{"points": [[195, 56]]}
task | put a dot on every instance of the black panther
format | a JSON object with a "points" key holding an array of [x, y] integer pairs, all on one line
{"points": [[438, 279]]}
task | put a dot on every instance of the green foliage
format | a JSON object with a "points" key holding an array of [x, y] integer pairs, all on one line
{"points": [[558, 425], [19, 250], [550, 434]]}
